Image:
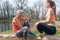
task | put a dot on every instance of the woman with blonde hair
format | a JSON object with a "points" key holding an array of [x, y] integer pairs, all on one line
{"points": [[17, 20], [20, 24]]}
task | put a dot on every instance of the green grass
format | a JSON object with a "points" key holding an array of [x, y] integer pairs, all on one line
{"points": [[58, 25], [7, 32], [36, 32], [4, 21], [58, 32]]}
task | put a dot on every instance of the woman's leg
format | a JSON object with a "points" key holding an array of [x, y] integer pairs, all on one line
{"points": [[45, 28], [20, 32], [40, 27], [51, 30]]}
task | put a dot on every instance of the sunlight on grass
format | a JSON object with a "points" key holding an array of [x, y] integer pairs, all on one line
{"points": [[7, 32], [36, 32], [58, 25], [58, 32]]}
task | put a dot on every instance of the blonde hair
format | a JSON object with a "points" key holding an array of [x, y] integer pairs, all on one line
{"points": [[19, 11]]}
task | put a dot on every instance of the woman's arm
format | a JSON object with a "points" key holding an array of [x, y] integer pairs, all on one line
{"points": [[47, 19], [44, 21], [50, 12], [25, 18]]}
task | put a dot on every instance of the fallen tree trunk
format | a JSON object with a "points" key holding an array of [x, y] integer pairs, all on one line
{"points": [[13, 37]]}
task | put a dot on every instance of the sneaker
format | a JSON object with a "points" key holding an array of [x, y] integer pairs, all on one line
{"points": [[45, 38], [31, 34], [38, 38]]}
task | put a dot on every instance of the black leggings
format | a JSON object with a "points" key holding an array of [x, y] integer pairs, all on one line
{"points": [[50, 30]]}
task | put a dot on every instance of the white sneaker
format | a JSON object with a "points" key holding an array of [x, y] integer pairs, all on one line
{"points": [[38, 38], [45, 38]]}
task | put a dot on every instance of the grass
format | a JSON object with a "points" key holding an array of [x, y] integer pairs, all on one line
{"points": [[58, 25], [7, 32], [36, 32], [58, 32], [4, 21]]}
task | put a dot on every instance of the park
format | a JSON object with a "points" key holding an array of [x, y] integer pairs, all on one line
{"points": [[35, 10]]}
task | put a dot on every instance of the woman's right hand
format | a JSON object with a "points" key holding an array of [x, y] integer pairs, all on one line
{"points": [[36, 24], [20, 26]]}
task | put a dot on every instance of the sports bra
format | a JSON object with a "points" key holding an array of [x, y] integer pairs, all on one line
{"points": [[53, 17]]}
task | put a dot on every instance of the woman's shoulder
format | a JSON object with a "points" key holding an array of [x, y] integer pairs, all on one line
{"points": [[14, 19], [50, 9]]}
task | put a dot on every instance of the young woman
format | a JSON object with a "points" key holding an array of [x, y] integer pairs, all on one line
{"points": [[48, 25], [20, 23]]}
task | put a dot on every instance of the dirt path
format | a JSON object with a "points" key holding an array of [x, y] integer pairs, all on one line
{"points": [[49, 37], [53, 37]]}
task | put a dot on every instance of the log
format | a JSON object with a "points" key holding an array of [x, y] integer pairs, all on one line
{"points": [[13, 37]]}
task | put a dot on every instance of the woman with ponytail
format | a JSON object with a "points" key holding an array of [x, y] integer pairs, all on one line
{"points": [[47, 26]]}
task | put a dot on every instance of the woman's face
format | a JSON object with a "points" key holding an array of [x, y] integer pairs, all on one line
{"points": [[20, 14], [47, 5]]}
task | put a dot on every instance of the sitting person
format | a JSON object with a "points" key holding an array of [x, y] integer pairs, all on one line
{"points": [[20, 24], [47, 26]]}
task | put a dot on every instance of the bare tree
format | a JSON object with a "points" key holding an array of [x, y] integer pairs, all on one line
{"points": [[20, 3], [6, 9], [37, 8], [58, 15]]}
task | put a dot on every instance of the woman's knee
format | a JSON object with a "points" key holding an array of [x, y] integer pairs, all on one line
{"points": [[18, 34], [39, 25], [25, 28]]}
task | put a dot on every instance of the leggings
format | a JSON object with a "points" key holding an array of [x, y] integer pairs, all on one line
{"points": [[50, 30], [22, 32]]}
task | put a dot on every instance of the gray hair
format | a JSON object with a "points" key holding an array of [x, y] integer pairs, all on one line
{"points": [[18, 11]]}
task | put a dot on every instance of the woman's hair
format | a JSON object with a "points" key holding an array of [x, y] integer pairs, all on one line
{"points": [[52, 5], [54, 8], [19, 12]]}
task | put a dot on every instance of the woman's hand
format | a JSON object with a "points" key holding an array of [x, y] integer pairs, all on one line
{"points": [[20, 26], [25, 18], [42, 21], [37, 24]]}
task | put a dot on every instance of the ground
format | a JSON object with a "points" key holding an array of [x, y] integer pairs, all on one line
{"points": [[50, 37]]}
